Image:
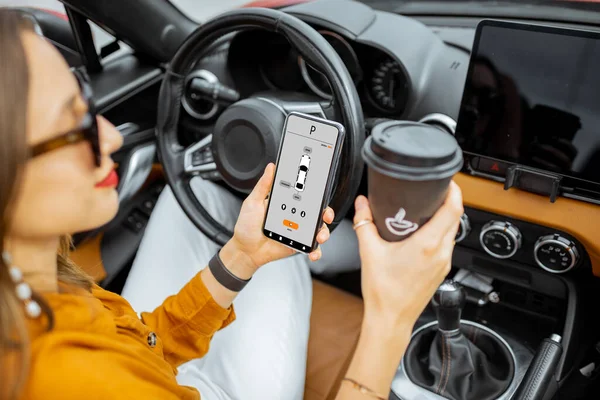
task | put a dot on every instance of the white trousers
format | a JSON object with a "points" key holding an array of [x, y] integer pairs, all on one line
{"points": [[262, 355]]}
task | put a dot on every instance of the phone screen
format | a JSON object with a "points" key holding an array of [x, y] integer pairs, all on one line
{"points": [[305, 160]]}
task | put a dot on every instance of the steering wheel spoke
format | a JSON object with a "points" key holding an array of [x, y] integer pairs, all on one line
{"points": [[322, 109], [198, 160], [307, 107]]}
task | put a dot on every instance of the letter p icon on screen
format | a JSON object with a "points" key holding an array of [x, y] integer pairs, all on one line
{"points": [[312, 129]]}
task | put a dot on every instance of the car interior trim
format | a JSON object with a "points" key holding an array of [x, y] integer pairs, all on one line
{"points": [[580, 219], [121, 79], [135, 169]]}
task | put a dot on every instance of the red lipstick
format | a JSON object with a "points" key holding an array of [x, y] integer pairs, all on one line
{"points": [[111, 180]]}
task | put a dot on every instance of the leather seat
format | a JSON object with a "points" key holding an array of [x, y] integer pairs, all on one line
{"points": [[334, 329]]}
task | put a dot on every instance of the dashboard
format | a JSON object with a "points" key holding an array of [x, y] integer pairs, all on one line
{"points": [[407, 69], [381, 82], [402, 69]]}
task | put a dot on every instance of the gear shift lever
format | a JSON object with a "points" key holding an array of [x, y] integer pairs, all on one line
{"points": [[448, 302]]}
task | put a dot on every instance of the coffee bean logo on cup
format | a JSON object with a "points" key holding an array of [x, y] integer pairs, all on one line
{"points": [[398, 226]]}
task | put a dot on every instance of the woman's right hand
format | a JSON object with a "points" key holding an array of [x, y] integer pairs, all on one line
{"points": [[399, 278]]}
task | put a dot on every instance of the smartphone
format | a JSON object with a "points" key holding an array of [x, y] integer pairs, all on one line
{"points": [[308, 157]]}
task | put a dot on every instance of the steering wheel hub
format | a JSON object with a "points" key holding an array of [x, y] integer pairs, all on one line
{"points": [[246, 138]]}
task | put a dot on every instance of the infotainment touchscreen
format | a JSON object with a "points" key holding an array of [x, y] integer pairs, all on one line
{"points": [[532, 96]]}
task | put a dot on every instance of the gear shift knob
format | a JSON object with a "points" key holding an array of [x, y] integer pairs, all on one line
{"points": [[448, 302]]}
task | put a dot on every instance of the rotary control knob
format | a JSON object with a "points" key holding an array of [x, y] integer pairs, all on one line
{"points": [[500, 239], [556, 254], [463, 228]]}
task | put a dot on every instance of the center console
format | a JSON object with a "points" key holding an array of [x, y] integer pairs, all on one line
{"points": [[509, 322], [518, 292], [456, 358]]}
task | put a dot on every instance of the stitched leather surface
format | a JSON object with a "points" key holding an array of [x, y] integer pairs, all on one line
{"points": [[540, 372], [466, 365]]}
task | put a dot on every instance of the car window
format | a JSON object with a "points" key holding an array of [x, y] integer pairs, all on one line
{"points": [[101, 37]]}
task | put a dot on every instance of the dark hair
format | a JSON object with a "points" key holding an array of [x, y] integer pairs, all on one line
{"points": [[14, 153]]}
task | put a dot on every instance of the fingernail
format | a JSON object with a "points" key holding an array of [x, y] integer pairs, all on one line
{"points": [[361, 202]]}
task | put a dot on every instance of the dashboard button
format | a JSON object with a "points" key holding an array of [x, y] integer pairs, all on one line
{"points": [[500, 239], [196, 159], [556, 254], [147, 206], [202, 157], [492, 167], [136, 221]]}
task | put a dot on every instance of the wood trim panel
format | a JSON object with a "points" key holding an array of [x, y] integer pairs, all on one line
{"points": [[156, 173], [580, 219]]}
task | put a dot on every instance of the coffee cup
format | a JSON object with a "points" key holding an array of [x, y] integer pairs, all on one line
{"points": [[410, 166]]}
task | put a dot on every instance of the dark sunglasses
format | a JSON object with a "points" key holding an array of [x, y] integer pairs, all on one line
{"points": [[87, 130]]}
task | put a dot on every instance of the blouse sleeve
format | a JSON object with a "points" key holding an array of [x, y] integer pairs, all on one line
{"points": [[187, 321]]}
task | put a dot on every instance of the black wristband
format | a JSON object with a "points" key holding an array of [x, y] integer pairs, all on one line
{"points": [[224, 276]]}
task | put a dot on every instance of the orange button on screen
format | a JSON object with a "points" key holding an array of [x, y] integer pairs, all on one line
{"points": [[290, 224]]}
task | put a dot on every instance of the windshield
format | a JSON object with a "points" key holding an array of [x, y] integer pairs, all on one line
{"points": [[201, 11]]}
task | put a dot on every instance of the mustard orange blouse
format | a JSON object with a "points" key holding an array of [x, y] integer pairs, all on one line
{"points": [[100, 349]]}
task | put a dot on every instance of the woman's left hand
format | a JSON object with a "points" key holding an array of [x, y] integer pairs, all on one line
{"points": [[248, 236]]}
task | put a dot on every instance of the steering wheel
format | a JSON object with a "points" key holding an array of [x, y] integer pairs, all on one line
{"points": [[247, 134]]}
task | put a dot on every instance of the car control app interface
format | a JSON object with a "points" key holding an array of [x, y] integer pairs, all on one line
{"points": [[306, 157]]}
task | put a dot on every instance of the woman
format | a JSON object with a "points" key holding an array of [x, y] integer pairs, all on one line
{"points": [[63, 337]]}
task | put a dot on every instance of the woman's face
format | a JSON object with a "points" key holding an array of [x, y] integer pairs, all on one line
{"points": [[59, 192]]}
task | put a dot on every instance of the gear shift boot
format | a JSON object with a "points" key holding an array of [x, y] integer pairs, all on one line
{"points": [[470, 364], [458, 361]]}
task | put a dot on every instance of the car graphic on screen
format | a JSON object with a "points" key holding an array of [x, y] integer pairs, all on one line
{"points": [[302, 172]]}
